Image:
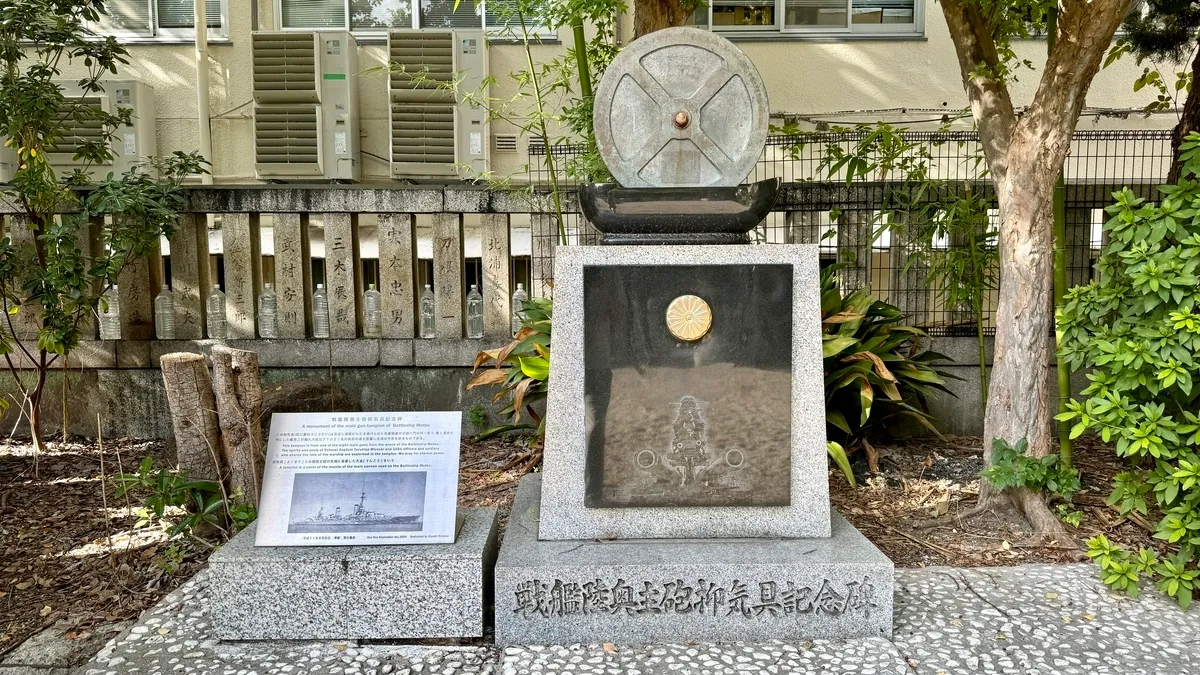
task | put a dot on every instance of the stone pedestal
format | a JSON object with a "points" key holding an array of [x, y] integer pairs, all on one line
{"points": [[357, 592], [639, 591]]}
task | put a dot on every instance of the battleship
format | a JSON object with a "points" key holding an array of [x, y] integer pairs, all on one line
{"points": [[358, 519]]}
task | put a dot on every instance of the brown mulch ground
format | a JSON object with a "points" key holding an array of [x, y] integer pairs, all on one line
{"points": [[57, 566]]}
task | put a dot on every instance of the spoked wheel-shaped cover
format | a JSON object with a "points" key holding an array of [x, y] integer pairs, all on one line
{"points": [[681, 107]]}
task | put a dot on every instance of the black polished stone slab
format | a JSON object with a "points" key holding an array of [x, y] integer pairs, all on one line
{"points": [[672, 423], [698, 215]]}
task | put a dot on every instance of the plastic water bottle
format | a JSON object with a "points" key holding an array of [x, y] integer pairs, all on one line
{"points": [[372, 313], [427, 313], [518, 308], [474, 313], [218, 327], [164, 314], [320, 312], [110, 315], [268, 306]]}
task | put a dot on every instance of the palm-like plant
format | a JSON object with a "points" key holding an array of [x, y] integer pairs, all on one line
{"points": [[520, 369], [874, 369]]}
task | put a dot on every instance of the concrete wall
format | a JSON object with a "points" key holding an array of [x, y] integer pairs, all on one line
{"points": [[131, 401], [802, 76]]}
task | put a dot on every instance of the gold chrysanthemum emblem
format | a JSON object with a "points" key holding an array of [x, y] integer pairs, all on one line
{"points": [[689, 318]]}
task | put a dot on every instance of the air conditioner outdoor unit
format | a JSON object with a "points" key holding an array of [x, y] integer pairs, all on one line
{"points": [[130, 145], [432, 129], [306, 106]]}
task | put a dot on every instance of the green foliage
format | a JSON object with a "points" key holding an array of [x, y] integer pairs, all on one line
{"points": [[204, 502], [1163, 33], [520, 369], [873, 371], [478, 417], [1068, 515], [1013, 468], [1137, 330], [838, 454], [52, 273]]}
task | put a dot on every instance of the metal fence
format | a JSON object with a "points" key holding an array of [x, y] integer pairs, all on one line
{"points": [[818, 206]]}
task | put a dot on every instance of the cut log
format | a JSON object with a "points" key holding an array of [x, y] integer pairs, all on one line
{"points": [[193, 414], [239, 408]]}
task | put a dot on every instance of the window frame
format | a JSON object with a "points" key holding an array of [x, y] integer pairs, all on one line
{"points": [[368, 34], [851, 31], [169, 35]]}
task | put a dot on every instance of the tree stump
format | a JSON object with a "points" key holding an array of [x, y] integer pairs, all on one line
{"points": [[193, 414], [239, 408]]}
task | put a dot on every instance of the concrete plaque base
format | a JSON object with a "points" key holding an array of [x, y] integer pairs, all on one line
{"points": [[357, 592], [680, 590]]}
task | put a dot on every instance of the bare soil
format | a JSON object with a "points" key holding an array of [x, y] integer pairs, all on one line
{"points": [[71, 556]]}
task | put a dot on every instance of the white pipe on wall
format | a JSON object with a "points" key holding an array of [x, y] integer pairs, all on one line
{"points": [[202, 104]]}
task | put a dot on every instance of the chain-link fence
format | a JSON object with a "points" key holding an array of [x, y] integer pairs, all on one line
{"points": [[852, 222]]}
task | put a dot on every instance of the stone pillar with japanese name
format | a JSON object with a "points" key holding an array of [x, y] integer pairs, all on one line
{"points": [[341, 273], [854, 249], [137, 284], [88, 240], [396, 274], [544, 233], [243, 282], [908, 287], [448, 274], [189, 274], [28, 319], [497, 298], [806, 227], [293, 274]]}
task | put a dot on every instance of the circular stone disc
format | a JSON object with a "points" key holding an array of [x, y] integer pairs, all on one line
{"points": [[681, 107]]}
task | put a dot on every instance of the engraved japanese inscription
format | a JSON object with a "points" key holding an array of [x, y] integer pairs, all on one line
{"points": [[673, 421], [739, 600]]}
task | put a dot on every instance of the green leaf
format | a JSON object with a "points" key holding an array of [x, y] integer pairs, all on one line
{"points": [[838, 454]]}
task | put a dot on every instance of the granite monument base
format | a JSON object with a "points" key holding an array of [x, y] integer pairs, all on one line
{"points": [[355, 592], [681, 590]]}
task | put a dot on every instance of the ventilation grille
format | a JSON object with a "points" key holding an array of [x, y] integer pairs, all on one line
{"points": [[286, 135], [285, 67], [506, 142], [422, 98], [76, 134]]}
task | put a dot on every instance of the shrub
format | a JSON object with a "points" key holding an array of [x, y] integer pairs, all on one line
{"points": [[1138, 331], [521, 369], [874, 372]]}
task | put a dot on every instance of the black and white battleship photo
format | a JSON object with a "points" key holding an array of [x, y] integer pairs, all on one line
{"points": [[378, 501]]}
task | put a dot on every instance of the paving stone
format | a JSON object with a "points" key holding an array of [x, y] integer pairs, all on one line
{"points": [[1106, 635]]}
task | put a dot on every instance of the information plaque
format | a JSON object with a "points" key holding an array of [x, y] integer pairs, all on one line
{"points": [[354, 479]]}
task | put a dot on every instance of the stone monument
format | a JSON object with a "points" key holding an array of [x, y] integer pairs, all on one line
{"points": [[684, 494]]}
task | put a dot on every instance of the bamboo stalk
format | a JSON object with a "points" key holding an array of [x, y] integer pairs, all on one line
{"points": [[1060, 280]]}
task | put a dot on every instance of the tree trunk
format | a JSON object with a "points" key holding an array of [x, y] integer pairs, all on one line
{"points": [[239, 408], [193, 414], [652, 15], [1189, 121]]}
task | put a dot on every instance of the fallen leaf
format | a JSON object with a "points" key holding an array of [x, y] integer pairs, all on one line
{"points": [[24, 585], [610, 648], [1088, 617], [1005, 545], [1051, 596], [164, 631], [339, 648], [46, 611]]}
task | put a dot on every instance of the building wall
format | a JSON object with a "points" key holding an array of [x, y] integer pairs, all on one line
{"points": [[810, 77]]}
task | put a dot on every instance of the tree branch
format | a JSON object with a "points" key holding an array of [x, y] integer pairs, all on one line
{"points": [[981, 69]]}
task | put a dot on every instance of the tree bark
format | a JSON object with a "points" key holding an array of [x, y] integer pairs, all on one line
{"points": [[239, 408], [652, 15], [1189, 121], [193, 414], [1025, 155]]}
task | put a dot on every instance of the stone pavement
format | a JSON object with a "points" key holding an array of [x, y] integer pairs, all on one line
{"points": [[1029, 619]]}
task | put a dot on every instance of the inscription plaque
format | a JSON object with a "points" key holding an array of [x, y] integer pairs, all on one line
{"points": [[672, 422], [740, 599]]}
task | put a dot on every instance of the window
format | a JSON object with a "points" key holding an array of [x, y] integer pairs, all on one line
{"points": [[374, 17], [160, 19], [815, 17]]}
